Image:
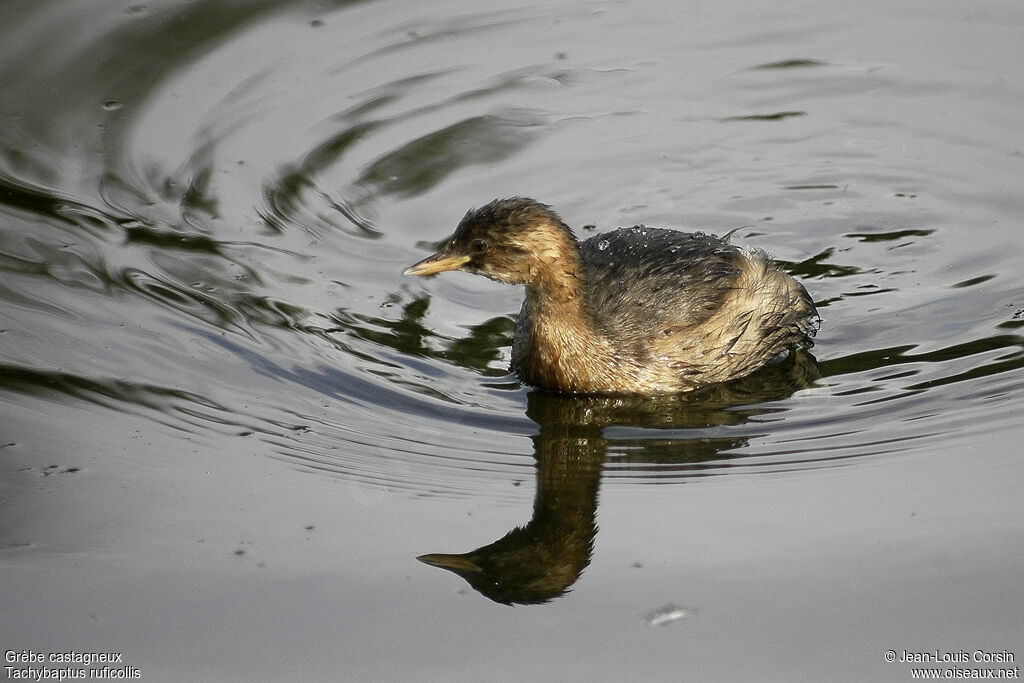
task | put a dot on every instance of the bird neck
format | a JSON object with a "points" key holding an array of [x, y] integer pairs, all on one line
{"points": [[556, 271], [560, 338], [555, 288]]}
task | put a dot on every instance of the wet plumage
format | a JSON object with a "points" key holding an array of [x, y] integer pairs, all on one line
{"points": [[638, 310]]}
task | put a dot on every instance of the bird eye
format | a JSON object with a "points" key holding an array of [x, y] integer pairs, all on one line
{"points": [[478, 246]]}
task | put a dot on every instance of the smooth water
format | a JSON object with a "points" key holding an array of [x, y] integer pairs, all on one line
{"points": [[230, 425]]}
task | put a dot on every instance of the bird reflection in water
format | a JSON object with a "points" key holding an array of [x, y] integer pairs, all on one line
{"points": [[540, 561]]}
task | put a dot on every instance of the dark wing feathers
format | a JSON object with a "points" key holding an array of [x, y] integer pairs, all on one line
{"points": [[641, 279]]}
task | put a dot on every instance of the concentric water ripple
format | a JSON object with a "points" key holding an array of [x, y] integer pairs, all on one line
{"points": [[235, 256]]}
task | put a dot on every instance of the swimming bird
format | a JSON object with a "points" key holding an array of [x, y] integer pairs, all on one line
{"points": [[639, 310]]}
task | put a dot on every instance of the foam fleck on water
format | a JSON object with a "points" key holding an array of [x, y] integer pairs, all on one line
{"points": [[668, 614]]}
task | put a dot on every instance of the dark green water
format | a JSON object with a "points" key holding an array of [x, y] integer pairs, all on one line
{"points": [[228, 425]]}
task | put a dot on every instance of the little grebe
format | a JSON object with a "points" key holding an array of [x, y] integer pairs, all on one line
{"points": [[635, 311]]}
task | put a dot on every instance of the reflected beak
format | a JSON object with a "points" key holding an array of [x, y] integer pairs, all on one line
{"points": [[438, 263], [460, 564]]}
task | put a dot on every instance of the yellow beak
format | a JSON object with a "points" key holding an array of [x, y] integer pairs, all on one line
{"points": [[437, 263], [459, 564]]}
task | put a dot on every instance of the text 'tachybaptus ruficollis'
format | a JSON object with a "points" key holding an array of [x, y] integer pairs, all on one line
{"points": [[635, 311]]}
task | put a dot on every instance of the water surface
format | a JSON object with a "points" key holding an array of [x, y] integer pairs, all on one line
{"points": [[230, 425]]}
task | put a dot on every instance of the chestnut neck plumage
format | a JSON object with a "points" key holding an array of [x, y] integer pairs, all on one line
{"points": [[556, 340]]}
